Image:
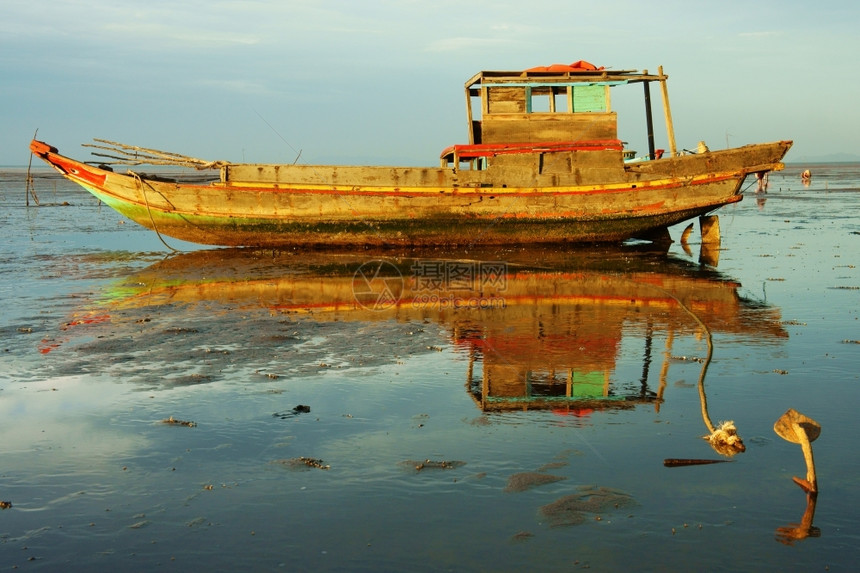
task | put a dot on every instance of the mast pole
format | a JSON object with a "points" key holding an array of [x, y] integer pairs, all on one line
{"points": [[670, 129], [649, 121], [469, 114]]}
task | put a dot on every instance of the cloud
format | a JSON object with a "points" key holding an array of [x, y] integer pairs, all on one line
{"points": [[244, 87], [140, 62], [761, 34], [161, 36], [466, 43]]}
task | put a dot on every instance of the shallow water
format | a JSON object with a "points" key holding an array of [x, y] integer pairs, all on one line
{"points": [[432, 379]]}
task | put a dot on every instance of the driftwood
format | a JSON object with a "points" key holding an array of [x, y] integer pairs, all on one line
{"points": [[123, 154], [174, 422], [677, 462]]}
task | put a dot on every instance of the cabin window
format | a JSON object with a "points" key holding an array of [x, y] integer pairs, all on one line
{"points": [[473, 164], [560, 98], [547, 99], [539, 101], [543, 99]]}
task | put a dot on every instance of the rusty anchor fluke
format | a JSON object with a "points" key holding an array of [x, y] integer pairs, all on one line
{"points": [[799, 429]]}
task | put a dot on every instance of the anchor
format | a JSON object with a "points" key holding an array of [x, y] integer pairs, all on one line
{"points": [[799, 429]]}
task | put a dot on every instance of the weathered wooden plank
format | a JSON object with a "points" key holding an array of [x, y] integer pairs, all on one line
{"points": [[338, 175], [535, 128], [506, 100], [568, 161]]}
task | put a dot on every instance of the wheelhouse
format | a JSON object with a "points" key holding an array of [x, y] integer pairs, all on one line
{"points": [[556, 108]]}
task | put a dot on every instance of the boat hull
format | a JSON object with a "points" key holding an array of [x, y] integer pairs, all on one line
{"points": [[324, 205]]}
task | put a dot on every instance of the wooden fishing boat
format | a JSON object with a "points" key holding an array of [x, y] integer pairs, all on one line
{"points": [[544, 164]]}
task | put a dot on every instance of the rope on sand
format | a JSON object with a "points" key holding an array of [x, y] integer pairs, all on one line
{"points": [[723, 439]]}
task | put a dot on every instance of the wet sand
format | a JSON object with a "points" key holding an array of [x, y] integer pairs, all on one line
{"points": [[315, 393]]}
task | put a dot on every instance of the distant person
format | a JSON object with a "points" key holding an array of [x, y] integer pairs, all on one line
{"points": [[762, 182]]}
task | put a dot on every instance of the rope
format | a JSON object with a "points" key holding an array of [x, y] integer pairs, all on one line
{"points": [[725, 439], [142, 188], [701, 383]]}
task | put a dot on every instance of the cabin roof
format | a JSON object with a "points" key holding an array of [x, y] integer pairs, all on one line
{"points": [[570, 76]]}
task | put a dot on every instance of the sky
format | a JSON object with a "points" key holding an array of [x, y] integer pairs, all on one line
{"points": [[381, 82]]}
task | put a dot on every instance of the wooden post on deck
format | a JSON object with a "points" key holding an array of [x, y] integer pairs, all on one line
{"points": [[470, 124], [649, 121], [670, 129]]}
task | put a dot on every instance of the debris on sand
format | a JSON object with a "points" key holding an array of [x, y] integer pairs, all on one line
{"points": [[300, 409], [173, 421], [432, 464], [303, 463], [527, 480], [574, 509], [521, 536], [676, 462], [552, 466]]}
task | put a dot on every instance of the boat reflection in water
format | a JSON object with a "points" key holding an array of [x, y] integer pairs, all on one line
{"points": [[542, 329]]}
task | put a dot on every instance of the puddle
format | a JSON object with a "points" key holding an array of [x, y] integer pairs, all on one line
{"points": [[431, 408]]}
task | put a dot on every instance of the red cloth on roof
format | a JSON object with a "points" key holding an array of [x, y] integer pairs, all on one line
{"points": [[578, 66]]}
